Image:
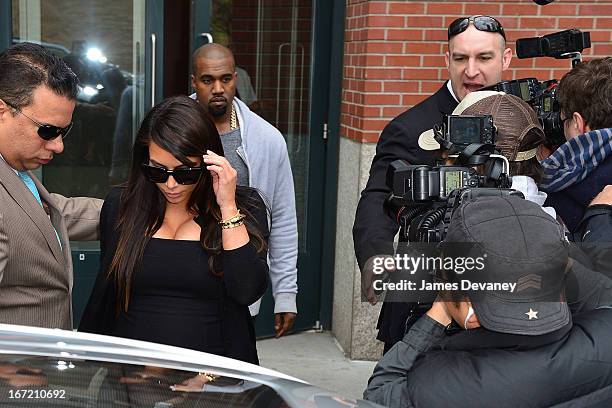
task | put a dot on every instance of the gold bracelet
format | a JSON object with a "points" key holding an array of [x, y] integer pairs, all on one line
{"points": [[234, 221], [235, 224], [209, 377], [230, 218]]}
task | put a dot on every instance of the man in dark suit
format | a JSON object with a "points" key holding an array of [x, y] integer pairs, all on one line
{"points": [[37, 97], [476, 57]]}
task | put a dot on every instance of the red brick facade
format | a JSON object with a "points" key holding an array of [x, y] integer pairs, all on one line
{"points": [[393, 50]]}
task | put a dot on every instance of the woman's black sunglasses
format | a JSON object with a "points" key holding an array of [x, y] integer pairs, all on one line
{"points": [[46, 132], [188, 175], [482, 23]]}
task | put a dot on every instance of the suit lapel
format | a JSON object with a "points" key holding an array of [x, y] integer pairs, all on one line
{"points": [[446, 102], [24, 198], [56, 220]]}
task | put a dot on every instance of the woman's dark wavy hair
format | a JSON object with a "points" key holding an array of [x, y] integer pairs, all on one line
{"points": [[180, 126]]}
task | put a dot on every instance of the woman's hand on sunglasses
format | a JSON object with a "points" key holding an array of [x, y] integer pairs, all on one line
{"points": [[223, 180]]}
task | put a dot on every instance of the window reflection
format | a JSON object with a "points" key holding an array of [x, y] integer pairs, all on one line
{"points": [[80, 383], [99, 41]]}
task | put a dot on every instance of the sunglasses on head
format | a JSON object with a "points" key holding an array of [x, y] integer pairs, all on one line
{"points": [[482, 23], [46, 132], [186, 175]]}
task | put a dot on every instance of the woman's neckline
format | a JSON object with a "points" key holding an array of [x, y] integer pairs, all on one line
{"points": [[177, 240]]}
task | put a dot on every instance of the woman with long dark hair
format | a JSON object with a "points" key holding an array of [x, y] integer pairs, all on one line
{"points": [[183, 251]]}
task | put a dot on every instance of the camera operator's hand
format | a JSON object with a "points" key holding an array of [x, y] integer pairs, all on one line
{"points": [[604, 197], [439, 312], [376, 268], [543, 152]]}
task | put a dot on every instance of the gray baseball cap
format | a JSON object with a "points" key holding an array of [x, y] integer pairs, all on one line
{"points": [[521, 244]]}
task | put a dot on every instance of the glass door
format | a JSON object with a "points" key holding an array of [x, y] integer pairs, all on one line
{"points": [[114, 48], [276, 60]]}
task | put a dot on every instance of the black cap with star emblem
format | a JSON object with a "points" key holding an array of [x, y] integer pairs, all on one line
{"points": [[523, 245]]}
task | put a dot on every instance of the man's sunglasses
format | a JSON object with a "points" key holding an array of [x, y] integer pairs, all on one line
{"points": [[46, 132], [482, 23], [188, 175]]}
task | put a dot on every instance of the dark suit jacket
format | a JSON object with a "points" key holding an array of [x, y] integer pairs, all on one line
{"points": [[35, 271], [374, 229]]}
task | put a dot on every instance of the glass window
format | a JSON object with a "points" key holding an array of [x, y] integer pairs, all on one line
{"points": [[49, 382], [101, 40], [271, 41]]}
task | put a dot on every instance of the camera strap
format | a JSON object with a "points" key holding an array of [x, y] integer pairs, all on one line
{"points": [[494, 170], [476, 154], [438, 131]]}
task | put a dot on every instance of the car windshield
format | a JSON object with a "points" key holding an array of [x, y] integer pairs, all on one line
{"points": [[49, 381]]}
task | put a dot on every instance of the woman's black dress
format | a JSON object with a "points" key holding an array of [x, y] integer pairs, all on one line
{"points": [[175, 299]]}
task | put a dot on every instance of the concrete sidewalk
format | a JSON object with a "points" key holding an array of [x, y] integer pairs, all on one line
{"points": [[316, 358]]}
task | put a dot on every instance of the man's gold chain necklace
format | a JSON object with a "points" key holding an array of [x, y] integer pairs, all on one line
{"points": [[233, 119]]}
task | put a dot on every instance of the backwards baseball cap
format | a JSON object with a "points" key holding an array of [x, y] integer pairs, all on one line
{"points": [[521, 244], [519, 132]]}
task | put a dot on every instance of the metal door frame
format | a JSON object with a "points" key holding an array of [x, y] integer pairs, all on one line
{"points": [[6, 24]]}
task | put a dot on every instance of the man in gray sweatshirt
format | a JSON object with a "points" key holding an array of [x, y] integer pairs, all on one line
{"points": [[258, 152]]}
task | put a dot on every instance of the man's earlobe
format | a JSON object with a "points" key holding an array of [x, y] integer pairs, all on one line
{"points": [[4, 109], [580, 123], [507, 58]]}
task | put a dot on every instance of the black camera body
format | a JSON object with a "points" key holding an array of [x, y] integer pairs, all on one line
{"points": [[424, 197], [431, 226], [463, 130], [527, 89], [423, 183], [549, 113], [542, 97], [562, 44]]}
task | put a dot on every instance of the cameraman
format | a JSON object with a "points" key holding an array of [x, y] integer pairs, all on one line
{"points": [[514, 342], [477, 55], [579, 169]]}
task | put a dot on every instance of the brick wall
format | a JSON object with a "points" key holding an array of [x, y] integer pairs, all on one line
{"points": [[394, 50]]}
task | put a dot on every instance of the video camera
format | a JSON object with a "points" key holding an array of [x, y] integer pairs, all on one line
{"points": [[423, 183], [423, 198], [542, 96], [422, 195]]}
